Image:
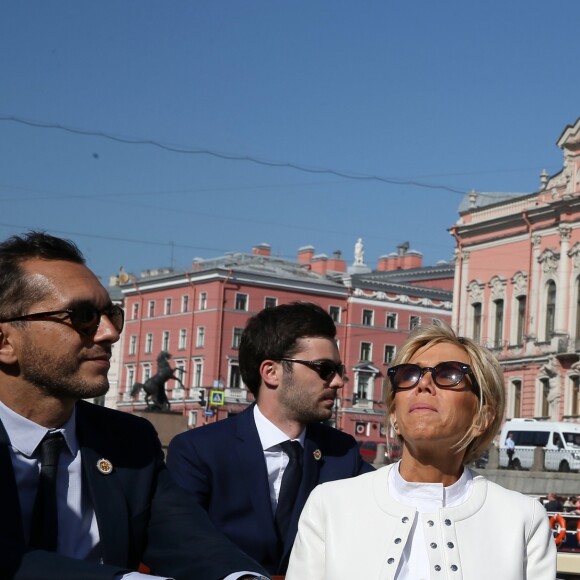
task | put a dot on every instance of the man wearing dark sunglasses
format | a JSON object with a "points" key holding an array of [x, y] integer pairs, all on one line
{"points": [[84, 491], [253, 472]]}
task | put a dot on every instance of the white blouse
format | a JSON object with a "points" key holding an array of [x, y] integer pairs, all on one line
{"points": [[426, 498]]}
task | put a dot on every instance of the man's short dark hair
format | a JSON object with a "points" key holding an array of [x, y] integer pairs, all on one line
{"points": [[273, 334], [17, 294]]}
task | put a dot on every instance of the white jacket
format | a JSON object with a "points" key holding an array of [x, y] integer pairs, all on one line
{"points": [[353, 530]]}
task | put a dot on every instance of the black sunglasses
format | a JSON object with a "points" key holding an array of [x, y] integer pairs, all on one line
{"points": [[85, 319], [326, 369], [445, 375]]}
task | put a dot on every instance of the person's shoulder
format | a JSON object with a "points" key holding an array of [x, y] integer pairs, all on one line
{"points": [[111, 417], [330, 436], [509, 498], [355, 485], [209, 432]]}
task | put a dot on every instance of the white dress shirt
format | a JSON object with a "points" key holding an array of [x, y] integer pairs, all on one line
{"points": [[276, 460]]}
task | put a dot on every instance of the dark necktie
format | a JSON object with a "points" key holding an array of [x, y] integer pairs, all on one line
{"points": [[44, 523], [289, 487]]}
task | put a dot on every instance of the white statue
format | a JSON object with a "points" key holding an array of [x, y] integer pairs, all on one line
{"points": [[359, 253]]}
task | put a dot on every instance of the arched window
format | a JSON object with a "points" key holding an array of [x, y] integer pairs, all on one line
{"points": [[574, 395], [545, 402], [517, 398], [498, 324], [550, 310], [578, 309], [521, 320], [476, 321]]}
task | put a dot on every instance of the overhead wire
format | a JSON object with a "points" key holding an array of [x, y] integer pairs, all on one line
{"points": [[229, 156]]}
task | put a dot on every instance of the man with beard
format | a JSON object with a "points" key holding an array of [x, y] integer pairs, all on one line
{"points": [[253, 472], [84, 490]]}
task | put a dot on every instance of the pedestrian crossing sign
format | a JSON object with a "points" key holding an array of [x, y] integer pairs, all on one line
{"points": [[216, 398]]}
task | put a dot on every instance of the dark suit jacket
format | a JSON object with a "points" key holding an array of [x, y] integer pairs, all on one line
{"points": [[223, 466], [143, 516]]}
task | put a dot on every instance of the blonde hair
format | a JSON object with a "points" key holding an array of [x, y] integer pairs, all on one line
{"points": [[488, 374]]}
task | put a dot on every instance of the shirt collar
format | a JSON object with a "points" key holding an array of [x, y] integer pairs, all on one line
{"points": [[270, 435], [25, 435], [429, 495]]}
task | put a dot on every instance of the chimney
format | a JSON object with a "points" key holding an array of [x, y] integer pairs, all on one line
{"points": [[336, 263], [305, 254], [261, 250]]}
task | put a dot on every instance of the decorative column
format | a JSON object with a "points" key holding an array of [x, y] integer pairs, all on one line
{"points": [[534, 287], [456, 293], [463, 292], [563, 286]]}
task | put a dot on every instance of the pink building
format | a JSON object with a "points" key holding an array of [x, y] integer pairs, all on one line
{"points": [[517, 286], [198, 316]]}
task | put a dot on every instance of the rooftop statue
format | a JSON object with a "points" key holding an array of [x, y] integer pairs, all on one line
{"points": [[359, 253]]}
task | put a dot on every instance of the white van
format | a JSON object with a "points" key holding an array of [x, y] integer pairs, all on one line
{"points": [[561, 442]]}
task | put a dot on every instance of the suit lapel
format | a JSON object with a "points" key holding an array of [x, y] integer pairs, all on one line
{"points": [[11, 532], [104, 489], [252, 469]]}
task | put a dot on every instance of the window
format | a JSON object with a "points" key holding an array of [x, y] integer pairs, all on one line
{"points": [[414, 321], [130, 378], [521, 320], [165, 341], [366, 349], [135, 312], [362, 385], [197, 373], [202, 300], [235, 378], [151, 308], [200, 341], [182, 344], [498, 323], [577, 310], [185, 303], [517, 404], [334, 312], [545, 392], [476, 311], [391, 320], [168, 302], [389, 354], [575, 394], [237, 336], [241, 302], [149, 343], [270, 302], [550, 310], [146, 372], [132, 344], [179, 372], [368, 317]]}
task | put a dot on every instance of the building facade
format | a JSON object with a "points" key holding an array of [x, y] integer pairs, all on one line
{"points": [[199, 315], [517, 286]]}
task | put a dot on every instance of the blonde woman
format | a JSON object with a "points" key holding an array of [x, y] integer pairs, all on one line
{"points": [[428, 516]]}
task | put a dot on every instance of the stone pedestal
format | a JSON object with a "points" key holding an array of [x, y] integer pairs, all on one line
{"points": [[167, 424]]}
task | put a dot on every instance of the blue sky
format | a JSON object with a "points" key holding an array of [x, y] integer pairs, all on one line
{"points": [[462, 95]]}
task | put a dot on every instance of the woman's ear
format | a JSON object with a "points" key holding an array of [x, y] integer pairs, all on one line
{"points": [[394, 423]]}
